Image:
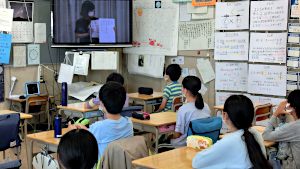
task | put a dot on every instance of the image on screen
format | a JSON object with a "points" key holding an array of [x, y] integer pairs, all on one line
{"points": [[32, 88], [92, 21], [22, 10]]}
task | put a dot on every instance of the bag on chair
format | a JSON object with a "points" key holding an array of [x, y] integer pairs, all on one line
{"points": [[9, 129]]}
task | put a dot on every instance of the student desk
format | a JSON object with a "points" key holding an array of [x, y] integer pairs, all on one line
{"points": [[21, 101], [47, 138], [221, 107], [175, 159], [260, 129], [23, 116], [156, 120], [146, 98], [80, 111]]}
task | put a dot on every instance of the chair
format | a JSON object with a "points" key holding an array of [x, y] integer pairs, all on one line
{"points": [[124, 151], [177, 102], [34, 100], [262, 112], [9, 131], [209, 127]]}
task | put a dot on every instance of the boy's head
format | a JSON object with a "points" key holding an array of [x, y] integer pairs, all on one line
{"points": [[115, 77], [174, 72], [294, 100], [113, 96]]}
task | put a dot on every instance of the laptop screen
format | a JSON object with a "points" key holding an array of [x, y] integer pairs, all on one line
{"points": [[33, 88]]}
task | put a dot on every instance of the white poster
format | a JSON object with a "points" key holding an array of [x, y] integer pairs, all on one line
{"points": [[107, 32], [2, 3], [40, 33], [267, 79], [6, 18], [269, 15], [268, 47], [196, 35], [155, 30], [33, 56], [19, 54], [232, 15], [206, 71], [81, 64], [231, 76], [231, 45]]}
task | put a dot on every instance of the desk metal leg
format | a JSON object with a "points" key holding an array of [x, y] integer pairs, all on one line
{"points": [[156, 140], [31, 153], [25, 137]]}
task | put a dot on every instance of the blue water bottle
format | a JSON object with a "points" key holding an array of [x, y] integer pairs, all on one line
{"points": [[64, 92], [57, 126]]}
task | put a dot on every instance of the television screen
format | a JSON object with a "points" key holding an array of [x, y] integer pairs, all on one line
{"points": [[92, 22]]}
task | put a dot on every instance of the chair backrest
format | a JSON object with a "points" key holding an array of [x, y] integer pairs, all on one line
{"points": [[125, 151], [34, 100], [262, 112], [177, 102], [9, 129], [209, 127], [127, 111], [11, 165]]}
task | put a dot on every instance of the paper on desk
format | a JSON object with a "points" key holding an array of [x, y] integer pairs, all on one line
{"points": [[206, 71], [19, 55], [66, 73], [92, 83], [183, 15], [5, 46], [2, 3], [185, 72], [196, 9], [6, 18], [40, 33], [81, 91], [193, 72], [209, 15], [203, 89]]}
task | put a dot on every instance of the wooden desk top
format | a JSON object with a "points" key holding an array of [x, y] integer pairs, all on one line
{"points": [[155, 95], [22, 100], [175, 159], [221, 107], [78, 107], [22, 115], [260, 129], [47, 136], [158, 119]]}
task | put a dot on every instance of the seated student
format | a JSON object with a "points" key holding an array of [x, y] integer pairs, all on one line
{"points": [[113, 77], [243, 148], [115, 127], [290, 132], [193, 110], [77, 149], [173, 73]]}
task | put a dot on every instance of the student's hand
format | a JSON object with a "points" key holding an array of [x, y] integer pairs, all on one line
{"points": [[81, 126], [71, 126], [170, 136], [115, 29], [281, 109]]}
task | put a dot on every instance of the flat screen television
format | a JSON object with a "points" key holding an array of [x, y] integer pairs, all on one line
{"points": [[91, 23]]}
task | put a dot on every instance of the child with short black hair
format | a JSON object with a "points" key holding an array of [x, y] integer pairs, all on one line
{"points": [[173, 73], [113, 77], [115, 127]]}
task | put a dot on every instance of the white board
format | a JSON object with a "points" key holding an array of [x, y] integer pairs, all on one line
{"points": [[155, 30], [267, 79], [231, 76], [105, 60], [221, 97], [196, 35], [269, 15], [232, 15], [107, 33], [147, 65], [268, 47], [231, 45]]}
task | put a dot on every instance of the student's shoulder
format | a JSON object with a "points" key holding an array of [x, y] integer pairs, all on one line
{"points": [[126, 119]]}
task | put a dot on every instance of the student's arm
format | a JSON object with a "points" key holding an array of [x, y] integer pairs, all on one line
{"points": [[163, 105], [82, 35], [81, 126], [71, 126], [180, 124], [92, 103]]}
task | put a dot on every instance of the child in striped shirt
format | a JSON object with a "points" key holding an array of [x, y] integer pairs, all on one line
{"points": [[173, 73]]}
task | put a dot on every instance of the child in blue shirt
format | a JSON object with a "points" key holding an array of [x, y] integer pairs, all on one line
{"points": [[173, 73], [243, 148], [115, 127]]}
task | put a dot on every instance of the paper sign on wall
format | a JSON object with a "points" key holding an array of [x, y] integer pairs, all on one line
{"points": [[231, 45], [196, 35], [267, 79], [19, 54], [232, 15], [183, 15], [81, 64], [268, 47], [5, 46], [293, 51], [221, 97], [269, 15], [40, 33], [33, 56], [2, 3], [66, 73], [231, 76], [6, 18], [206, 71], [295, 8]]}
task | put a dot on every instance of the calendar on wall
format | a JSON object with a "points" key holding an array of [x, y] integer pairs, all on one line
{"points": [[22, 32]]}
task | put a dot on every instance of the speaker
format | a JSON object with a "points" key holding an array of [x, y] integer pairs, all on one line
{"points": [[145, 90]]}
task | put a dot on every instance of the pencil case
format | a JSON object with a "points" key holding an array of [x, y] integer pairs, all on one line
{"points": [[141, 115], [199, 142]]}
